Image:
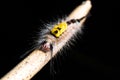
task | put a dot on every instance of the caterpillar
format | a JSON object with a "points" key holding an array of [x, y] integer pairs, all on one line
{"points": [[48, 37], [55, 33]]}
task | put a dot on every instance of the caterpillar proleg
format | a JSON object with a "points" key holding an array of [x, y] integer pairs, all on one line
{"points": [[52, 42]]}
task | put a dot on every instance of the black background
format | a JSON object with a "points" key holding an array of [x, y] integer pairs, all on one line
{"points": [[93, 56]]}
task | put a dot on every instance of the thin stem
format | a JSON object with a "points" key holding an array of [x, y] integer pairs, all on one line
{"points": [[34, 62]]}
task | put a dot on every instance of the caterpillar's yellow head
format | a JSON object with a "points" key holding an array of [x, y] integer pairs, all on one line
{"points": [[58, 30]]}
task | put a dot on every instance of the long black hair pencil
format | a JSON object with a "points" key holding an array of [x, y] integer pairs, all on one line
{"points": [[54, 39]]}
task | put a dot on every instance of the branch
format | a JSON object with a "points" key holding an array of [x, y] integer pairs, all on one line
{"points": [[34, 62]]}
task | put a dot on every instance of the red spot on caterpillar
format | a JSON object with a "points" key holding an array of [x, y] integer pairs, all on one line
{"points": [[45, 47]]}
